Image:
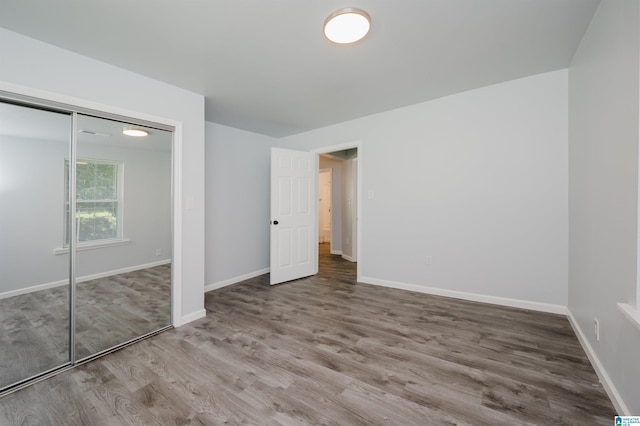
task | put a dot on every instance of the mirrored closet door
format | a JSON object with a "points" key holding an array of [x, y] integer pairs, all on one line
{"points": [[123, 233], [86, 237], [34, 283]]}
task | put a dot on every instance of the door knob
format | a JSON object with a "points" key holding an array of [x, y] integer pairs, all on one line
{"points": [[275, 222]]}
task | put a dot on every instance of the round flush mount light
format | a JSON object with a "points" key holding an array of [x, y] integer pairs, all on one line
{"points": [[347, 25], [135, 132]]}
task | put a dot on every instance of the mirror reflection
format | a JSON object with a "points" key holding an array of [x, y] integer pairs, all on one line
{"points": [[119, 229], [34, 282], [122, 233]]}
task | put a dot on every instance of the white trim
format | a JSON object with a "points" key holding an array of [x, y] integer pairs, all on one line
{"points": [[606, 381], [93, 245], [54, 284], [191, 317], [338, 252], [341, 147], [349, 258], [176, 202], [234, 280], [123, 270], [630, 313], [75, 102], [474, 297], [34, 288], [337, 147]]}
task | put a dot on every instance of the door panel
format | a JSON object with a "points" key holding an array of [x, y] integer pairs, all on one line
{"points": [[34, 281], [293, 218], [123, 212]]}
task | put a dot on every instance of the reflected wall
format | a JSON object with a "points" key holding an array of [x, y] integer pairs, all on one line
{"points": [[34, 283]]}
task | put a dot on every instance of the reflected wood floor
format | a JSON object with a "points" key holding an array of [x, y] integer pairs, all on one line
{"points": [[326, 350], [34, 327]]}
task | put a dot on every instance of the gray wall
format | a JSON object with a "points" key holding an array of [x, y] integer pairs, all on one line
{"points": [[349, 208], [32, 212], [477, 181], [603, 192], [237, 203], [34, 207]]}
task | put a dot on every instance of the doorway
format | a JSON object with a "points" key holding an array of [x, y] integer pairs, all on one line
{"points": [[294, 210], [337, 204]]}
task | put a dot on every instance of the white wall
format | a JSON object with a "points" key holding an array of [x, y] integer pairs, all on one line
{"points": [[477, 181], [39, 69], [237, 204], [336, 201], [603, 193], [36, 170]]}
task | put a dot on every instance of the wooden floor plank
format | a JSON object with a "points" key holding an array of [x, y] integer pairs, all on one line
{"points": [[34, 327], [328, 350]]}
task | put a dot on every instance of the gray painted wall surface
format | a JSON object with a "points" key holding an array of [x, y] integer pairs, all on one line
{"points": [[481, 187], [349, 208], [603, 190], [237, 202], [34, 206]]}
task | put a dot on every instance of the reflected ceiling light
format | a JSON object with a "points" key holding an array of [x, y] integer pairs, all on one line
{"points": [[135, 132], [347, 25]]}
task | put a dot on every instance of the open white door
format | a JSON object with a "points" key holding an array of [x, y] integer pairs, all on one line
{"points": [[294, 250]]}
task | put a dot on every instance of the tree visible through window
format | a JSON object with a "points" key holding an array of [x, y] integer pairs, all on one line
{"points": [[97, 200]]}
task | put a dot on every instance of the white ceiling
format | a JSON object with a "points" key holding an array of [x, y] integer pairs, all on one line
{"points": [[264, 65]]}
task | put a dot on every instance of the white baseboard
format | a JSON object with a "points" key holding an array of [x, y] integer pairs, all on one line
{"points": [[349, 258], [53, 284], [190, 317], [234, 280], [122, 270], [494, 300], [606, 381], [338, 252]]}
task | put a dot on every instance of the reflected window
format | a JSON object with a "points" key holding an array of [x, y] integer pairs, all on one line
{"points": [[98, 200]]}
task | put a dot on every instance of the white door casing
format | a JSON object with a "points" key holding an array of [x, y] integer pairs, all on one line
{"points": [[294, 248]]}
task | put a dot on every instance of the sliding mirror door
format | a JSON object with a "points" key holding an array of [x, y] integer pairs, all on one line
{"points": [[34, 278], [122, 233]]}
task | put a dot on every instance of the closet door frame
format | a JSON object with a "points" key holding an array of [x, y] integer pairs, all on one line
{"points": [[46, 101]]}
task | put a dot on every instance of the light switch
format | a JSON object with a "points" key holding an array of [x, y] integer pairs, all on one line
{"points": [[371, 195]]}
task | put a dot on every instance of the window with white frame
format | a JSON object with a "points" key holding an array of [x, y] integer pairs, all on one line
{"points": [[98, 201]]}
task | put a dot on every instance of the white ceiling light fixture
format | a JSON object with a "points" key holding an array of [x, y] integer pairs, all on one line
{"points": [[347, 25], [135, 132]]}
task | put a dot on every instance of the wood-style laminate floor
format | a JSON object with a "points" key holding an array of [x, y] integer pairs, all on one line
{"points": [[326, 350], [34, 327]]}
